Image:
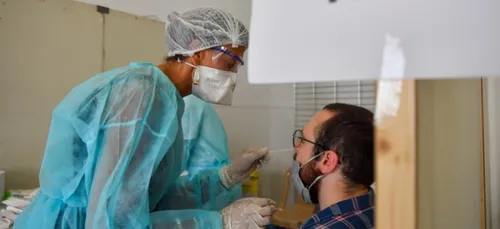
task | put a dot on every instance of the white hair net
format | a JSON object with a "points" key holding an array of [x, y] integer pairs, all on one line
{"points": [[201, 29]]}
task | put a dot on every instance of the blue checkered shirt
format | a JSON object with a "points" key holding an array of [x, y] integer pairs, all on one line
{"points": [[356, 213]]}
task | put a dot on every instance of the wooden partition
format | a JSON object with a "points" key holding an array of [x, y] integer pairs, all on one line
{"points": [[396, 158], [47, 48], [430, 158]]}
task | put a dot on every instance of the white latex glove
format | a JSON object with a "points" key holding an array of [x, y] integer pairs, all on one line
{"points": [[242, 166], [248, 213]]}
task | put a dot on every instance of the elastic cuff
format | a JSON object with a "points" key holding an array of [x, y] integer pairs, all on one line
{"points": [[224, 178]]}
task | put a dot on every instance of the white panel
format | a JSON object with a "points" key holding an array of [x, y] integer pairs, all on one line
{"points": [[47, 47], [325, 41]]}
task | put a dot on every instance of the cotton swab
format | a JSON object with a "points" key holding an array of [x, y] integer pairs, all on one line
{"points": [[265, 159], [280, 150]]}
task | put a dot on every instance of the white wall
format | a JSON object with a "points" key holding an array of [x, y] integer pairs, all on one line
{"points": [[24, 121], [161, 8], [261, 115]]}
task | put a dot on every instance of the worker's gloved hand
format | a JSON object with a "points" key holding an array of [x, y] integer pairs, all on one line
{"points": [[248, 213], [243, 166]]}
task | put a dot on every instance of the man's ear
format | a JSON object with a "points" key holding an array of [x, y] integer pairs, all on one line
{"points": [[329, 162]]}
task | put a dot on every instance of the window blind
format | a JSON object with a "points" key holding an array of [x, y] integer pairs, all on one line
{"points": [[312, 97]]}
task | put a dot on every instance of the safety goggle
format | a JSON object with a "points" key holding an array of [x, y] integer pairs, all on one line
{"points": [[226, 60]]}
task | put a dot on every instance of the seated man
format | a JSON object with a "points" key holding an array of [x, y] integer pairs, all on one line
{"points": [[333, 167]]}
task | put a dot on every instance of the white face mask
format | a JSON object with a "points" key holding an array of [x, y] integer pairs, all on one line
{"points": [[304, 191], [213, 85]]}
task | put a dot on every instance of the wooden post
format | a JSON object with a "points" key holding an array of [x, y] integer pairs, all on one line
{"points": [[482, 158], [396, 163], [429, 153]]}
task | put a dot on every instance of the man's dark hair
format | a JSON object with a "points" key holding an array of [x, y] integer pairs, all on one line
{"points": [[350, 133]]}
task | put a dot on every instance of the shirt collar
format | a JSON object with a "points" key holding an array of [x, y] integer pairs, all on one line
{"points": [[354, 204], [350, 205]]}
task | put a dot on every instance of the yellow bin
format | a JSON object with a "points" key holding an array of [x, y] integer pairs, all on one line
{"points": [[251, 185]]}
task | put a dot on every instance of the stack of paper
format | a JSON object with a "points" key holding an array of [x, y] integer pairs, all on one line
{"points": [[15, 206]]}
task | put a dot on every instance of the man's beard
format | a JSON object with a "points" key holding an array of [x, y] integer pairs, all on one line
{"points": [[308, 174]]}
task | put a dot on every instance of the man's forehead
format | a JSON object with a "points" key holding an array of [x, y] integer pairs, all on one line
{"points": [[316, 121]]}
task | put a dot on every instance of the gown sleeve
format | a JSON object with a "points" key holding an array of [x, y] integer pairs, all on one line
{"points": [[207, 152]]}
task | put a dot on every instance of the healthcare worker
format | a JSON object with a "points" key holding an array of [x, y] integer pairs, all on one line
{"points": [[205, 147], [115, 143]]}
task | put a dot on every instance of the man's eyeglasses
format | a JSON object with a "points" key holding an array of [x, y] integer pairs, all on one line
{"points": [[298, 138]]}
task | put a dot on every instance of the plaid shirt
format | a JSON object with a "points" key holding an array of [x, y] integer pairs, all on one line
{"points": [[356, 213]]}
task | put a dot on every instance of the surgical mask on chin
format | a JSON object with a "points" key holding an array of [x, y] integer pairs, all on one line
{"points": [[213, 85], [304, 191]]}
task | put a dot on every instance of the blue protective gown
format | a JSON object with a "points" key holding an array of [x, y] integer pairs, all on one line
{"points": [[205, 147], [114, 148], [205, 139]]}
